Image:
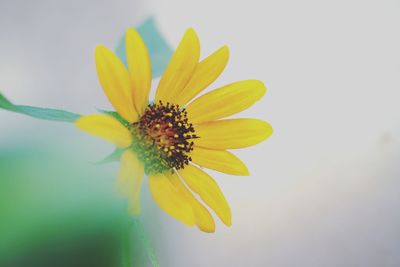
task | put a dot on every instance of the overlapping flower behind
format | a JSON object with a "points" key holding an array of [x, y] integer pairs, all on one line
{"points": [[173, 137]]}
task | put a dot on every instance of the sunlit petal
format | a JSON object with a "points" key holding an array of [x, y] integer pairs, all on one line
{"points": [[219, 160], [139, 69], [208, 190], [232, 133], [203, 218], [206, 72], [114, 79], [106, 127], [130, 178], [180, 68], [171, 199], [225, 101]]}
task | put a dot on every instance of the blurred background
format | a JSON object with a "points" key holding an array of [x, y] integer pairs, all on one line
{"points": [[324, 190]]}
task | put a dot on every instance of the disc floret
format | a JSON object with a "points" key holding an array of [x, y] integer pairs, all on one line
{"points": [[163, 138]]}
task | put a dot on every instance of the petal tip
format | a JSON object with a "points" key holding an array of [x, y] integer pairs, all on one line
{"points": [[242, 169], [78, 123], [99, 49], [191, 34], [131, 31], [81, 122], [191, 31], [263, 87], [260, 86], [208, 231], [246, 172], [225, 49], [131, 34], [228, 221], [269, 129]]}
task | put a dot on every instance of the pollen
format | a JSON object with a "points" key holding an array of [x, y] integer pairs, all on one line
{"points": [[163, 138]]}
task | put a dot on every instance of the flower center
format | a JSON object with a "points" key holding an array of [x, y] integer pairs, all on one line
{"points": [[163, 138]]}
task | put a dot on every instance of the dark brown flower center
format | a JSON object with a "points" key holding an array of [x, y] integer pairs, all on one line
{"points": [[163, 138]]}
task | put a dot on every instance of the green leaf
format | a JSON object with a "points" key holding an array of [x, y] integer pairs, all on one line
{"points": [[5, 104], [138, 226], [39, 113], [114, 156], [48, 113], [55, 203], [160, 52]]}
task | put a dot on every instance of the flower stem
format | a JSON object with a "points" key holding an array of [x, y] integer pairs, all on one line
{"points": [[127, 253], [146, 242]]}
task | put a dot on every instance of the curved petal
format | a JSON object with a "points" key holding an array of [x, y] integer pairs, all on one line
{"points": [[139, 69], [203, 218], [180, 67], [219, 160], [114, 79], [206, 72], [232, 133], [225, 101], [208, 190], [171, 199], [130, 178], [106, 127]]}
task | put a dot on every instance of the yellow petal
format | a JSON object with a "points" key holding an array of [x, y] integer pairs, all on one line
{"points": [[171, 199], [206, 72], [130, 178], [208, 190], [114, 79], [225, 101], [106, 127], [203, 218], [219, 160], [180, 68], [139, 69], [232, 133]]}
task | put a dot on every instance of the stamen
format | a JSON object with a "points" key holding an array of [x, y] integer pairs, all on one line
{"points": [[163, 138]]}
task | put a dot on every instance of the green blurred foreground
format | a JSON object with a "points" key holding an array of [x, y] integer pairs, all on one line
{"points": [[55, 211]]}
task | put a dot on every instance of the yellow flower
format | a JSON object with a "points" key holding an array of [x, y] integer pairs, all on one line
{"points": [[169, 140]]}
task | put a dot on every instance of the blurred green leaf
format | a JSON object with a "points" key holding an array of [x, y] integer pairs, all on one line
{"points": [[6, 104], [48, 113], [52, 206], [114, 156], [50, 212], [138, 226], [57, 210], [39, 113]]}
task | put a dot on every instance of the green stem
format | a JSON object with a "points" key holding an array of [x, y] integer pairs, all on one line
{"points": [[127, 253], [146, 242]]}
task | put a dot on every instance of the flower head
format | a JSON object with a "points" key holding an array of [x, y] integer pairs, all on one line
{"points": [[170, 138]]}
